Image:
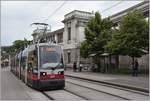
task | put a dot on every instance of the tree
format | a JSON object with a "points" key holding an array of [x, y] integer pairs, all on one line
{"points": [[84, 49], [19, 45], [97, 33], [132, 38]]}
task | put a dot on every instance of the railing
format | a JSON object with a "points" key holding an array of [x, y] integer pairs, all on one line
{"points": [[38, 31]]}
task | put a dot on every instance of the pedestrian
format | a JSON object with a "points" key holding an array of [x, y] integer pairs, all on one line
{"points": [[74, 66], [80, 67], [136, 66], [132, 66]]}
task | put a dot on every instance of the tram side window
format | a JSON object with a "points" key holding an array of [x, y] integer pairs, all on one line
{"points": [[17, 63], [23, 62], [32, 60]]}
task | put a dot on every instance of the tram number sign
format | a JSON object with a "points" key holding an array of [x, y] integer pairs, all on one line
{"points": [[50, 49]]}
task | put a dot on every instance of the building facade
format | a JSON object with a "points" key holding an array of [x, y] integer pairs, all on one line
{"points": [[71, 36], [74, 25]]}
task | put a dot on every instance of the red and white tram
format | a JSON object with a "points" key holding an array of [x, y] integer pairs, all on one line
{"points": [[40, 66]]}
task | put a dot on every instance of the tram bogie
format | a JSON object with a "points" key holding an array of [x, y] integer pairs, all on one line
{"points": [[40, 66]]}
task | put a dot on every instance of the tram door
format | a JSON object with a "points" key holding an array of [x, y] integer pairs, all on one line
{"points": [[17, 65], [20, 61], [32, 73], [24, 67]]}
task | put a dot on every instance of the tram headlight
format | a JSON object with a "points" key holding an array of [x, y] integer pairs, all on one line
{"points": [[43, 73], [61, 72]]}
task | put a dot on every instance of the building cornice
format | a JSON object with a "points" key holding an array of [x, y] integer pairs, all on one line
{"points": [[143, 6]]}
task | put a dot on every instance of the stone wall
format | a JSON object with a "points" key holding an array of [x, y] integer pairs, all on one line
{"points": [[75, 57], [125, 62]]}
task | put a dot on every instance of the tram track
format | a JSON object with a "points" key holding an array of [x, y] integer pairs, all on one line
{"points": [[109, 86], [76, 94], [99, 91], [63, 94], [66, 90], [80, 89], [138, 91], [48, 96], [80, 95]]}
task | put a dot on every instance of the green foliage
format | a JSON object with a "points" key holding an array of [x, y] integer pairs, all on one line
{"points": [[132, 38], [19, 45], [84, 50], [97, 33]]}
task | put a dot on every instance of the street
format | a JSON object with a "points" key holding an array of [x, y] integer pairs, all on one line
{"points": [[75, 89]]}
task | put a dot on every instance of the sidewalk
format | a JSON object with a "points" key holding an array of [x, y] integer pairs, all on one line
{"points": [[14, 89], [11, 87], [139, 83]]}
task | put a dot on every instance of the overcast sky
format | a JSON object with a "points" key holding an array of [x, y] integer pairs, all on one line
{"points": [[16, 16]]}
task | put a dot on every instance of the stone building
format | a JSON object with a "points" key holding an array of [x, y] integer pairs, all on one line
{"points": [[74, 25], [71, 36]]}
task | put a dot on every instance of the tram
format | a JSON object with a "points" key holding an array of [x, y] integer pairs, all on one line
{"points": [[40, 66]]}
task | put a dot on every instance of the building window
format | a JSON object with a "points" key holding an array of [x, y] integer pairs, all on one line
{"points": [[52, 38], [48, 39], [60, 38], [69, 57], [69, 33]]}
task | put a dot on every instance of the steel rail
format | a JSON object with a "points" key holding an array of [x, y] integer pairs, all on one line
{"points": [[113, 85], [51, 98], [123, 98]]}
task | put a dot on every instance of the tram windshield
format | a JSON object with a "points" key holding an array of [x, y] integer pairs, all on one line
{"points": [[50, 57]]}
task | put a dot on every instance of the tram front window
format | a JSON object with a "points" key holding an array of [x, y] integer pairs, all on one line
{"points": [[50, 57]]}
